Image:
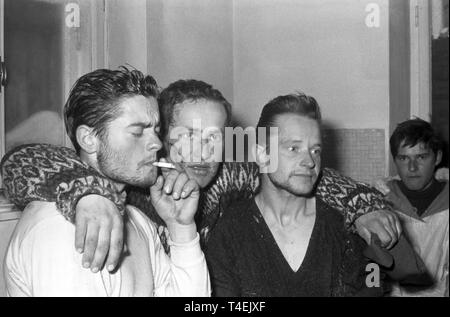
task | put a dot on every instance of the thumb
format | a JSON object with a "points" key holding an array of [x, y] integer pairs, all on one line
{"points": [[364, 233], [156, 189]]}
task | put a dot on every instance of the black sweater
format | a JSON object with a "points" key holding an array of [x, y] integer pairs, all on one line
{"points": [[245, 260]]}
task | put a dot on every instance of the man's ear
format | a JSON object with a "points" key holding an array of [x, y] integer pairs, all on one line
{"points": [[438, 158], [87, 139], [260, 155]]}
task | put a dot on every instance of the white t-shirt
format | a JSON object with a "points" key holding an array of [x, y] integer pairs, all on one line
{"points": [[41, 261]]}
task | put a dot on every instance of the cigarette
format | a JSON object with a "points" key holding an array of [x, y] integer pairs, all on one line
{"points": [[164, 165]]}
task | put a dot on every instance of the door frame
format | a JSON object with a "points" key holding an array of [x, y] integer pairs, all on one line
{"points": [[420, 63], [2, 95]]}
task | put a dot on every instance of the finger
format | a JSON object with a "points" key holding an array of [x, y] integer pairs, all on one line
{"points": [[156, 189], [80, 233], [179, 184], [116, 245], [393, 221], [90, 245], [399, 227], [393, 241], [384, 237], [190, 188], [101, 251], [387, 234], [169, 181], [365, 234], [388, 222]]}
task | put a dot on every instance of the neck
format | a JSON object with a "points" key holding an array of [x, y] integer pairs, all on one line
{"points": [[281, 206], [91, 160], [430, 183], [424, 190]]}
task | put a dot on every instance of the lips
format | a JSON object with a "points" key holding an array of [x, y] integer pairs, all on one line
{"points": [[199, 166], [199, 169], [302, 174], [148, 162]]}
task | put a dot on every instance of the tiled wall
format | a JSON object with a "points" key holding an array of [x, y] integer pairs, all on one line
{"points": [[358, 153]]}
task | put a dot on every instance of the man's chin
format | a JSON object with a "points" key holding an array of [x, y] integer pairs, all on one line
{"points": [[304, 191], [415, 187], [202, 181], [143, 183]]}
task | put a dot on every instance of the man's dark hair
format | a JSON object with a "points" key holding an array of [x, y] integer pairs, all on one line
{"points": [[94, 97], [412, 132], [187, 90], [299, 104]]}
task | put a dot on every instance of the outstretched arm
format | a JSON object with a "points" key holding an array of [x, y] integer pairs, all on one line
{"points": [[363, 207], [52, 173]]}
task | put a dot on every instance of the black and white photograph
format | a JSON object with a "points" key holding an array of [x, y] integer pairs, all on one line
{"points": [[224, 148]]}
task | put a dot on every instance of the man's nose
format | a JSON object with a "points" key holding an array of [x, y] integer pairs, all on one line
{"points": [[154, 144], [206, 150], [412, 165], [201, 150], [307, 160]]}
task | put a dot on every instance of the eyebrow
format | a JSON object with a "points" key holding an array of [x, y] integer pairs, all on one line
{"points": [[422, 153], [287, 140], [144, 125], [212, 129]]}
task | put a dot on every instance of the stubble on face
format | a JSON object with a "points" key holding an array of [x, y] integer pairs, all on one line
{"points": [[130, 144], [299, 160], [116, 165], [199, 117]]}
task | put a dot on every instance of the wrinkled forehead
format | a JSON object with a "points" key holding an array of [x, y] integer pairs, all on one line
{"points": [[296, 127], [204, 112], [138, 109]]}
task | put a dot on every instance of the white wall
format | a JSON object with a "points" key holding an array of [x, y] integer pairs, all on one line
{"points": [[254, 50], [173, 39], [126, 33], [191, 39], [320, 47]]}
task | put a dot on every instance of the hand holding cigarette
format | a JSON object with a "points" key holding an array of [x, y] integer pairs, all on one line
{"points": [[175, 198]]}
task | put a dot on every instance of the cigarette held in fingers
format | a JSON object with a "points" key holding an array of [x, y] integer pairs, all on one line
{"points": [[164, 165]]}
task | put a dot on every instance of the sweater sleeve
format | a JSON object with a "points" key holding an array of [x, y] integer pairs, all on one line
{"points": [[56, 174], [353, 199], [184, 272]]}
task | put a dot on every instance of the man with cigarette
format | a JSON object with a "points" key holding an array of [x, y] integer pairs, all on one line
{"points": [[113, 121], [99, 234]]}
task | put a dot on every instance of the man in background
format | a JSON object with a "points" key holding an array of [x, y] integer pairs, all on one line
{"points": [[421, 201]]}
